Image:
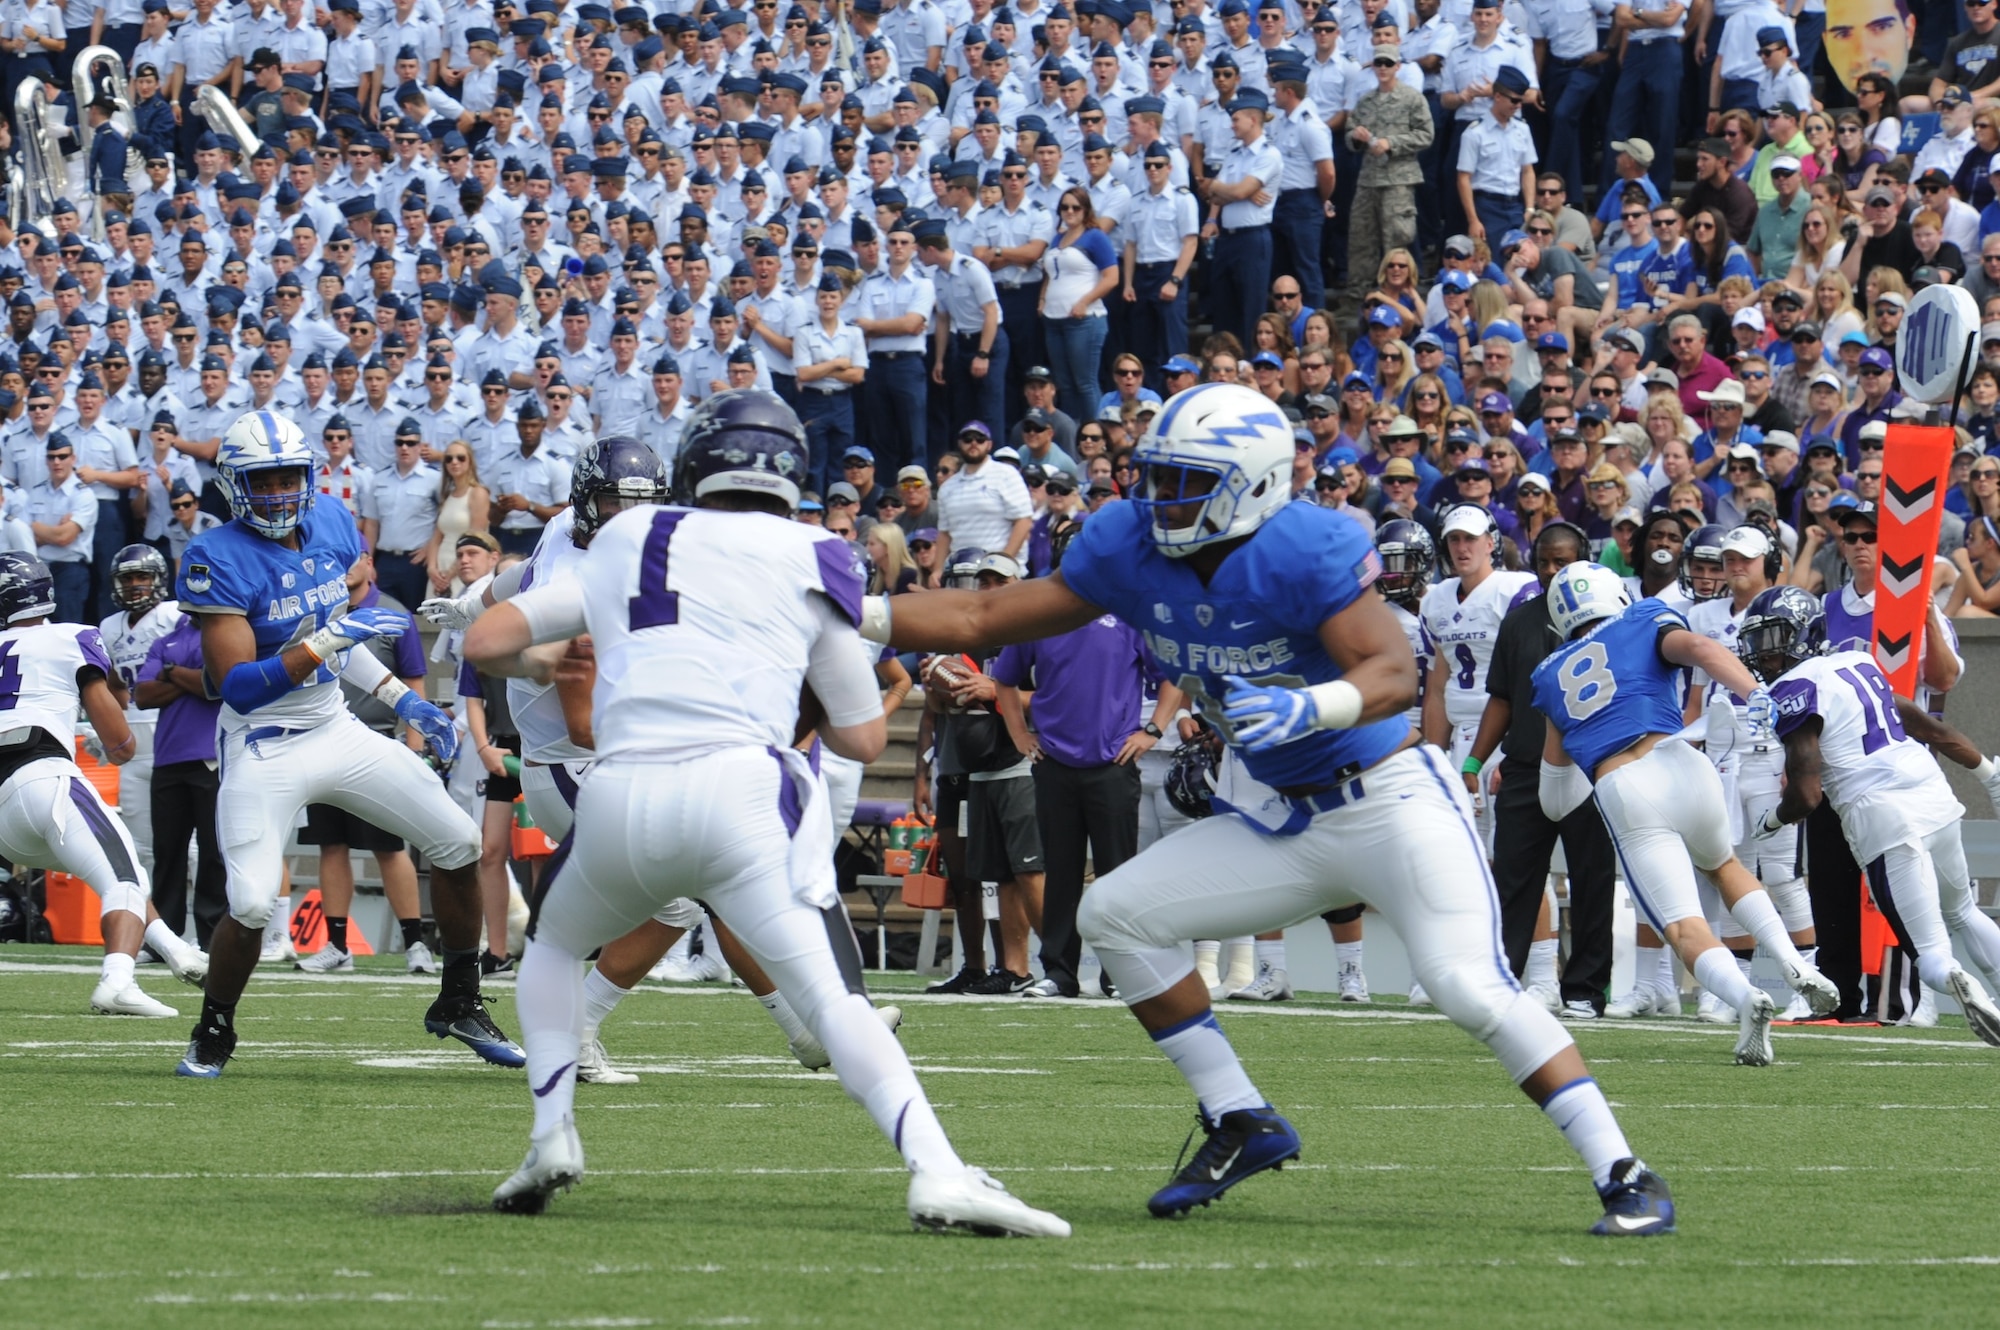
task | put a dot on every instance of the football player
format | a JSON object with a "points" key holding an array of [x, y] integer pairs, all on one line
{"points": [[1849, 739], [1612, 695], [50, 814], [270, 589], [1263, 611], [142, 589], [696, 780]]}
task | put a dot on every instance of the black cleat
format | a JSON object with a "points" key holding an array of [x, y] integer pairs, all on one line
{"points": [[999, 983], [208, 1049], [961, 982], [463, 1017]]}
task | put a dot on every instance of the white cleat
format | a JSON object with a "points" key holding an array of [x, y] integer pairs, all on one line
{"points": [[554, 1163], [1712, 1010], [418, 959], [190, 966], [108, 1000], [1419, 998], [275, 943], [974, 1202], [1980, 1012], [594, 1068], [1578, 1009], [1818, 990], [1550, 999], [1753, 1031], [329, 959], [1353, 983], [1639, 1000], [706, 968], [1270, 985], [891, 1017], [1798, 1009]]}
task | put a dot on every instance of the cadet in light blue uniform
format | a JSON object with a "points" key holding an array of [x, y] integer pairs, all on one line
{"points": [[270, 589], [1613, 700], [1261, 610]]}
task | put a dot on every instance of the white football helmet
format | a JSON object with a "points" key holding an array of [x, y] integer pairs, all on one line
{"points": [[1583, 593], [266, 441], [1233, 437]]}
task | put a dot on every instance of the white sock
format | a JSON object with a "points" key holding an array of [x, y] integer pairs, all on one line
{"points": [[1715, 970], [1756, 913], [117, 968], [875, 1073], [679, 951], [548, 1002], [1348, 953], [1202, 1052], [1585, 1120], [1661, 959], [1542, 963], [1211, 949], [164, 941], [1271, 954], [787, 1019], [1744, 966], [281, 915], [1980, 937], [600, 998]]}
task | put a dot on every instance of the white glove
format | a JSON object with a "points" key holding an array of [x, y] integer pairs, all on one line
{"points": [[1762, 713], [454, 612], [1988, 772]]}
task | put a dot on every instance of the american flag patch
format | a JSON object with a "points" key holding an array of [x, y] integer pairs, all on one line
{"points": [[1368, 569]]}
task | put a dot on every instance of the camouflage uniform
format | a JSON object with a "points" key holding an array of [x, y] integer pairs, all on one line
{"points": [[1384, 215]]}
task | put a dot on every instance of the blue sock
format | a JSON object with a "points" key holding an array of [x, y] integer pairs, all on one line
{"points": [[1202, 1052]]}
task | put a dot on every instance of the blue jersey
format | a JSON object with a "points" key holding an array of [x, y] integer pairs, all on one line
{"points": [[285, 594], [1259, 618], [1607, 691]]}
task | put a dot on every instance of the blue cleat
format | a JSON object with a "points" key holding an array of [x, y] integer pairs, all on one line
{"points": [[208, 1048], [1637, 1203], [464, 1018], [1244, 1142]]}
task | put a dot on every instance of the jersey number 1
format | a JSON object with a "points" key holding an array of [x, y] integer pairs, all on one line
{"points": [[655, 606], [10, 677], [1880, 725]]}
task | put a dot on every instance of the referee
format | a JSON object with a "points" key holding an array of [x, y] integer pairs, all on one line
{"points": [[1523, 838]]}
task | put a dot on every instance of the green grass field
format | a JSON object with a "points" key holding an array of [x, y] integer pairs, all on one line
{"points": [[339, 1173]]}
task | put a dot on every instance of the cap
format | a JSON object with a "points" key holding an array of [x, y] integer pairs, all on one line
{"points": [[1494, 403], [1469, 518], [1639, 150], [913, 475]]}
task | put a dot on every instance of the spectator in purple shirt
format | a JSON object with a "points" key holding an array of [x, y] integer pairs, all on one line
{"points": [[1085, 690], [184, 780]]}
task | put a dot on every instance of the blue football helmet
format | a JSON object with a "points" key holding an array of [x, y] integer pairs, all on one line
{"points": [[128, 567], [613, 474], [266, 441], [1224, 448], [1701, 563], [1584, 593], [1781, 627], [27, 588], [743, 441]]}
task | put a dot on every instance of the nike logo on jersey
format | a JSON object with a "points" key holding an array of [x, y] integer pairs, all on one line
{"points": [[1239, 627], [1216, 1174], [543, 1091]]}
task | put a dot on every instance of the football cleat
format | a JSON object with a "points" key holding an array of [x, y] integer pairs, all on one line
{"points": [[703, 968], [108, 999], [1353, 983], [1712, 1010], [1270, 985], [1240, 1144], [1419, 998], [1925, 1017], [1578, 1009], [417, 959], [464, 1018], [594, 1068], [329, 959], [961, 982], [1818, 990], [1753, 1031], [190, 966], [1204, 967], [1637, 1203], [1550, 999], [208, 1049], [999, 983], [1047, 988], [1633, 1002], [491, 964], [974, 1202], [554, 1163], [277, 946], [1798, 1009], [1980, 1012]]}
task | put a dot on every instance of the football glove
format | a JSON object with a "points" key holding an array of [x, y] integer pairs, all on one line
{"points": [[431, 722], [356, 627], [454, 613], [1263, 716], [1762, 713]]}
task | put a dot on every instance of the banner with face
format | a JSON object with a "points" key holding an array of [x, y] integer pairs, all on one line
{"points": [[1869, 37]]}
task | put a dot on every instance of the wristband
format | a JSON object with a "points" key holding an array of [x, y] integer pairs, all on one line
{"points": [[1986, 770], [1769, 824], [1471, 766], [875, 619], [1336, 705], [390, 691]]}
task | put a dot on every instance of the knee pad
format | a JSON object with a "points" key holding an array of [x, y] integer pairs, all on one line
{"points": [[1525, 1037], [1346, 914], [457, 852], [128, 896], [1794, 904], [255, 913], [680, 913], [1472, 996]]}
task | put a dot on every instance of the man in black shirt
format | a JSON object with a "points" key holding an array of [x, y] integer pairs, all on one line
{"points": [[1524, 839], [1972, 58], [1884, 240]]}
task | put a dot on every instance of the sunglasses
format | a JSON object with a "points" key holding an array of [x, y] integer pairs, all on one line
{"points": [[1857, 538], [1986, 475]]}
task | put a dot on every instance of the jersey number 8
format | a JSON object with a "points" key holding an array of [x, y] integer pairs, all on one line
{"points": [[1587, 682]]}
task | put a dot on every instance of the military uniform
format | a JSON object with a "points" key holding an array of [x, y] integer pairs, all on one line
{"points": [[1385, 195]]}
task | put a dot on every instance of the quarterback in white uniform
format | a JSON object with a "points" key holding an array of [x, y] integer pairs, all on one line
{"points": [[1849, 739], [1461, 621], [142, 589], [50, 815], [708, 624], [270, 591]]}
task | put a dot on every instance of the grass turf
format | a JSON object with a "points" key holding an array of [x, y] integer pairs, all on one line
{"points": [[339, 1173]]}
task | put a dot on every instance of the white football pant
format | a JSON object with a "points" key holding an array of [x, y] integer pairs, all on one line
{"points": [[51, 817], [1667, 818]]}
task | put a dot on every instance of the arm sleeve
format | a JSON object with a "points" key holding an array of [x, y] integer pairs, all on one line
{"points": [[365, 670], [1563, 790], [839, 672], [553, 612]]}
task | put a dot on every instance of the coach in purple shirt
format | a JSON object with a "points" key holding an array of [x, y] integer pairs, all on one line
{"points": [[184, 780], [1086, 694]]}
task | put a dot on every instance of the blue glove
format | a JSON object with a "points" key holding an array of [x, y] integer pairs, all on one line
{"points": [[429, 721], [1761, 712], [355, 627], [1263, 716]]}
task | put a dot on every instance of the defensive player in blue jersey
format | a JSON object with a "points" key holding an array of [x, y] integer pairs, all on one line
{"points": [[270, 589], [1261, 610], [1613, 697]]}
